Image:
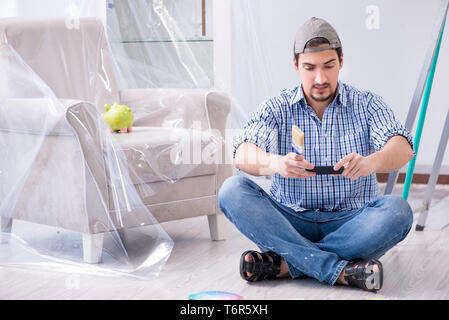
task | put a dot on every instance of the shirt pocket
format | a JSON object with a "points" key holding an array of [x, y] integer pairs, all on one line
{"points": [[353, 141]]}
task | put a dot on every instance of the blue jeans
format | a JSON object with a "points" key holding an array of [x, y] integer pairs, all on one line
{"points": [[315, 243]]}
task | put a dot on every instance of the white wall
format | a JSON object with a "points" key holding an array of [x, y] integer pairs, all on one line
{"points": [[386, 61], [52, 8], [222, 45], [7, 8]]}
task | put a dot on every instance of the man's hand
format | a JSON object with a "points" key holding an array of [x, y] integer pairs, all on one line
{"points": [[356, 166], [293, 165]]}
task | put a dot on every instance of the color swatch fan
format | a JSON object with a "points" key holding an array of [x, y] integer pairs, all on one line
{"points": [[215, 295]]}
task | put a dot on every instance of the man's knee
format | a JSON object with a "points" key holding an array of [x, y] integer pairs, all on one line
{"points": [[399, 210], [230, 191], [387, 225]]}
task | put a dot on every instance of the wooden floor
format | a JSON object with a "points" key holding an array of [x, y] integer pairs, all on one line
{"points": [[417, 268]]}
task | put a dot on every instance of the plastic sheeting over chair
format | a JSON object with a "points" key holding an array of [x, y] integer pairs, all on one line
{"points": [[76, 197]]}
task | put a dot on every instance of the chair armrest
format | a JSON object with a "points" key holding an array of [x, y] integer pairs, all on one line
{"points": [[218, 107], [84, 120], [39, 116], [177, 107]]}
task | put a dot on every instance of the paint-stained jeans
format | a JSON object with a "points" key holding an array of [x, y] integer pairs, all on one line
{"points": [[315, 243]]}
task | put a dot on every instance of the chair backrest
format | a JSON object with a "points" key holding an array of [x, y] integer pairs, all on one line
{"points": [[74, 60]]}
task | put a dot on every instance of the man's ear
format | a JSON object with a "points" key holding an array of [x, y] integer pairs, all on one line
{"points": [[295, 63], [341, 61]]}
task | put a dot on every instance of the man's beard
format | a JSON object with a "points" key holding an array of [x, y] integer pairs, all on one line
{"points": [[322, 99], [325, 98]]}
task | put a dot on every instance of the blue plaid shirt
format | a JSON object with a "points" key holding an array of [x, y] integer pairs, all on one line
{"points": [[356, 121]]}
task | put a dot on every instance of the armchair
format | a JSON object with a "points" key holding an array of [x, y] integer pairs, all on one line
{"points": [[71, 160]]}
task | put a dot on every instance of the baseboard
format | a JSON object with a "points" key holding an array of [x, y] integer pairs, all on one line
{"points": [[418, 178]]}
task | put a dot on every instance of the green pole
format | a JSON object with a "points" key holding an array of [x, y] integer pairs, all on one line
{"points": [[422, 117]]}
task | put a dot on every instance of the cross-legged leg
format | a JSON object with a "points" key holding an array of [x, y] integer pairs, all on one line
{"points": [[376, 228], [261, 220]]}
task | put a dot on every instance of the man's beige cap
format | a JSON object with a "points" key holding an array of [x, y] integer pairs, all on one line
{"points": [[314, 28]]}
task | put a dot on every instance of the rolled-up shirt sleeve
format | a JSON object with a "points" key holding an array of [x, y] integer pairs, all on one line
{"points": [[261, 130], [384, 125]]}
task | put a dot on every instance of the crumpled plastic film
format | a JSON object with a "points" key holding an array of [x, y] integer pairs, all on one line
{"points": [[165, 25], [52, 198], [72, 189]]}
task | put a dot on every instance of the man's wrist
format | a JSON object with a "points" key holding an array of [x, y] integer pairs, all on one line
{"points": [[274, 163], [376, 161]]}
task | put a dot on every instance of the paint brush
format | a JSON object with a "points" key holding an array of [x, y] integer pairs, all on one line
{"points": [[297, 140]]}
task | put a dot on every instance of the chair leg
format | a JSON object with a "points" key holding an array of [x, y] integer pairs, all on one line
{"points": [[6, 226], [217, 226], [92, 247]]}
